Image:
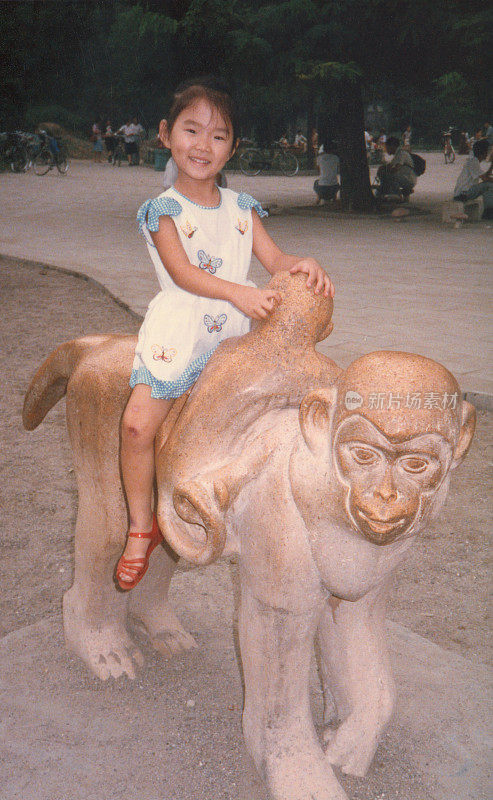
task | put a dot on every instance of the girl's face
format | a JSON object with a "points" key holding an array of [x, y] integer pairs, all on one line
{"points": [[200, 141]]}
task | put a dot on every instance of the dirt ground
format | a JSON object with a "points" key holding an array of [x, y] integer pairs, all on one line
{"points": [[441, 592]]}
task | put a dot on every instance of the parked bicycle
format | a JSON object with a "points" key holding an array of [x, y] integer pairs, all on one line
{"points": [[118, 154], [14, 150], [52, 153], [448, 147], [255, 160]]}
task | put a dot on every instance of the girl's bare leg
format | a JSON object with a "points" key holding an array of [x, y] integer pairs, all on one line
{"points": [[141, 420]]}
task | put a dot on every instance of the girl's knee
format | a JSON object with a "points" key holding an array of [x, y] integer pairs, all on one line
{"points": [[136, 426]]}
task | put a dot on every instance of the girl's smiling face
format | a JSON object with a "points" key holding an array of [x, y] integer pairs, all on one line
{"points": [[201, 141]]}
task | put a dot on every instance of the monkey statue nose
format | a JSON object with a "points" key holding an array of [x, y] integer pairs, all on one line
{"points": [[386, 489]]}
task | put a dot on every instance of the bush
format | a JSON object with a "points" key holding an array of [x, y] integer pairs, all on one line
{"points": [[57, 114]]}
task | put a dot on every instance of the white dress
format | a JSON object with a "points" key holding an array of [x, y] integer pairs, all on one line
{"points": [[181, 330]]}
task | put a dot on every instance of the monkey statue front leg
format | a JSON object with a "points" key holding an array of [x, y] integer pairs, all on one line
{"points": [[276, 647], [356, 674]]}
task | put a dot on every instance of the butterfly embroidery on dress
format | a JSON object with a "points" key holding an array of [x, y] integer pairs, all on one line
{"points": [[207, 262], [242, 226], [160, 353], [188, 229], [214, 323]]}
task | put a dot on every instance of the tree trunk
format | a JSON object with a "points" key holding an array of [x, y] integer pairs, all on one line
{"points": [[355, 176], [310, 155]]}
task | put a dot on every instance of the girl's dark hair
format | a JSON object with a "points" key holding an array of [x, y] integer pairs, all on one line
{"points": [[208, 87]]}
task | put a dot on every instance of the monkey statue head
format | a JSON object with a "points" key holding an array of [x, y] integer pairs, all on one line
{"points": [[302, 318], [388, 432]]}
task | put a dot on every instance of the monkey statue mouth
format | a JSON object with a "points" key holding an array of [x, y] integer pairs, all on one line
{"points": [[379, 531]]}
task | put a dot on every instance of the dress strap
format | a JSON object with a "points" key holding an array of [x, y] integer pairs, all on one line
{"points": [[246, 202], [150, 211]]}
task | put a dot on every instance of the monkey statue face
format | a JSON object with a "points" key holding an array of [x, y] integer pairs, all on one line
{"points": [[389, 484], [384, 460]]}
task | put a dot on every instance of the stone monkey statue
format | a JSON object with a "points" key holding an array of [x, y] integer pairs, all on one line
{"points": [[94, 372], [347, 481], [318, 478]]}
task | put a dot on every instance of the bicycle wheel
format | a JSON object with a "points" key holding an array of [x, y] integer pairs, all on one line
{"points": [[251, 162], [288, 164], [451, 156], [19, 160], [42, 162], [62, 162]]}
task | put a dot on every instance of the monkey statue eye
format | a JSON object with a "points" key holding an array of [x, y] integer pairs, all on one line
{"points": [[363, 455], [414, 464]]}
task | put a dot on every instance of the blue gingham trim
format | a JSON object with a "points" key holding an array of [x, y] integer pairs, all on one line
{"points": [[151, 210], [246, 201], [169, 390]]}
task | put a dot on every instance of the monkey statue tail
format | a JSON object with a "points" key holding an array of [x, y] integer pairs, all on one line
{"points": [[49, 384]]}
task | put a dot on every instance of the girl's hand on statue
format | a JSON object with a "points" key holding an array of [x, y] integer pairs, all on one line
{"points": [[317, 276], [256, 303]]}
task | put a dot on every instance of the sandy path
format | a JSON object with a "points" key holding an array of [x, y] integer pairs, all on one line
{"points": [[413, 285], [66, 735]]}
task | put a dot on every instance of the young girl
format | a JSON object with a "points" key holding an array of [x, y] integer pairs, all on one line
{"points": [[200, 239]]}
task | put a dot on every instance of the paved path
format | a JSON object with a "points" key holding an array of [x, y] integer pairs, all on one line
{"points": [[436, 746], [412, 285], [187, 711]]}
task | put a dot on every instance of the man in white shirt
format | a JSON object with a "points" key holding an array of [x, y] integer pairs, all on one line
{"points": [[327, 186], [300, 141], [132, 133], [471, 183]]}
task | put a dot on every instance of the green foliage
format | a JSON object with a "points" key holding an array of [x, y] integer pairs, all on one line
{"points": [[139, 72], [451, 86], [103, 58], [55, 113], [329, 71]]}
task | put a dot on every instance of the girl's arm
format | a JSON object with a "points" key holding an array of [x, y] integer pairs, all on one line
{"points": [[256, 303], [274, 259]]}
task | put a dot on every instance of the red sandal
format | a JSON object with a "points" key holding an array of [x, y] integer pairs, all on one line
{"points": [[137, 567]]}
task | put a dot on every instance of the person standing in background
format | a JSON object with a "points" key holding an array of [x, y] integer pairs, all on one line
{"points": [[406, 139], [97, 142], [139, 134], [327, 185]]}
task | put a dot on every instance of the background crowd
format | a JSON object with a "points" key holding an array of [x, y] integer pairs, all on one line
{"points": [[314, 63]]}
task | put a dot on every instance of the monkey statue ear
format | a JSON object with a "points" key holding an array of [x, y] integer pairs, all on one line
{"points": [[467, 428], [315, 419]]}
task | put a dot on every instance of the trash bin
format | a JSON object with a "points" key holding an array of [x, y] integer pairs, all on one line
{"points": [[160, 160]]}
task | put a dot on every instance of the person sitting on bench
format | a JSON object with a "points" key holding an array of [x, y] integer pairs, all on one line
{"points": [[398, 176], [327, 186], [471, 183]]}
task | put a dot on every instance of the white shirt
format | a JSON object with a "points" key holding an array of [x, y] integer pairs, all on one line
{"points": [[328, 164], [131, 132], [469, 175]]}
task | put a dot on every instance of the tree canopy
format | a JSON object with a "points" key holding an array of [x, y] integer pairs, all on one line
{"points": [[72, 61], [120, 58]]}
